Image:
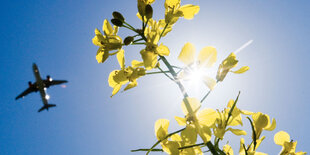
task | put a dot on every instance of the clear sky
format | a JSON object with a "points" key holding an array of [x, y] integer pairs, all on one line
{"points": [[57, 36]]}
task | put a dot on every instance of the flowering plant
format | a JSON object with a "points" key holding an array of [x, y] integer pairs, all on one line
{"points": [[206, 125]]}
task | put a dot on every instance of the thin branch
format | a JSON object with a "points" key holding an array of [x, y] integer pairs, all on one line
{"points": [[254, 133], [211, 148], [205, 96], [166, 74], [231, 109], [176, 67], [163, 139], [163, 30], [190, 146], [157, 72], [154, 150]]}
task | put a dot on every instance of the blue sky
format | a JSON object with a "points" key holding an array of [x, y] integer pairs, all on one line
{"points": [[57, 36]]}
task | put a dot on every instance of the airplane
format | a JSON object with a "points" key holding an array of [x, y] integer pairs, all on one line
{"points": [[41, 85]]}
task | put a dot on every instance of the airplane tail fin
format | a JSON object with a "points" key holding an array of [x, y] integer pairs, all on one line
{"points": [[46, 106]]}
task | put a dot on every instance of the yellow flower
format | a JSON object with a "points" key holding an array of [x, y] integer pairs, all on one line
{"points": [[250, 149], [221, 123], [200, 120], [172, 145], [152, 50], [205, 59], [108, 42], [262, 122], [282, 138], [142, 4], [228, 150], [129, 75], [227, 64], [174, 11]]}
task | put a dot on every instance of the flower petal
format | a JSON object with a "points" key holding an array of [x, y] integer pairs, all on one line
{"points": [[207, 116], [241, 70], [116, 89], [107, 28], [136, 63], [181, 121], [131, 85], [271, 126], [237, 132], [149, 59], [210, 82], [187, 54], [189, 10], [193, 103], [161, 128], [189, 135], [120, 58], [281, 137], [207, 56], [228, 150], [102, 55], [162, 50]]}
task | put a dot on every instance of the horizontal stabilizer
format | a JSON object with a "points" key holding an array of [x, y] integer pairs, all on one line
{"points": [[46, 106]]}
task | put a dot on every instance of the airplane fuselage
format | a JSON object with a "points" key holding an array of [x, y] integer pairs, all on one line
{"points": [[40, 84]]}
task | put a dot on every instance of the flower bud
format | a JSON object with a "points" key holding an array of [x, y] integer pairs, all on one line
{"points": [[148, 11], [128, 40], [117, 22], [118, 15]]}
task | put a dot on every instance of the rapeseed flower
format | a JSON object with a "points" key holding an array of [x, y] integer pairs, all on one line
{"points": [[108, 42]]}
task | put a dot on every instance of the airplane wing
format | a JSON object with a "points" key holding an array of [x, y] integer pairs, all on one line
{"points": [[48, 83], [26, 92]]}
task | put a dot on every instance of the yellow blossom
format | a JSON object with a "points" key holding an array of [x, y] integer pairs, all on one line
{"points": [[129, 75], [250, 148], [172, 144], [227, 64], [152, 50], [205, 59], [108, 42], [228, 150], [235, 119], [174, 11], [282, 138], [262, 122], [142, 4], [199, 119]]}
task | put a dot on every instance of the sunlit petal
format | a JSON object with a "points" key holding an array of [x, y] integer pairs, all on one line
{"points": [[187, 55]]}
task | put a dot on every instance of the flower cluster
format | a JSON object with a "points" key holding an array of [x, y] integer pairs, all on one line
{"points": [[207, 125]]}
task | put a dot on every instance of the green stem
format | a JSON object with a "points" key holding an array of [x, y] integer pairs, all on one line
{"points": [[176, 67], [231, 109], [165, 73], [174, 74], [163, 139], [138, 44], [154, 150], [129, 25], [190, 146], [205, 96], [157, 72], [161, 34], [211, 148], [254, 133], [138, 40]]}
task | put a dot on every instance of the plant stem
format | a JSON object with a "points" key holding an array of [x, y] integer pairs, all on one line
{"points": [[154, 150], [211, 148], [157, 72], [163, 139], [166, 74], [205, 96], [161, 34], [190, 146]]}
